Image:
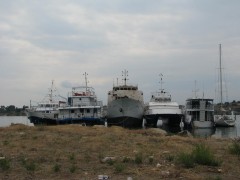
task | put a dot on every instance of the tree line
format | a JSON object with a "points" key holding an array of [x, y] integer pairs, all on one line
{"points": [[12, 111]]}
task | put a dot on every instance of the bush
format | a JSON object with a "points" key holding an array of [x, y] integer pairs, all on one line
{"points": [[4, 164], [73, 168], [202, 155], [186, 160], [138, 158], [234, 148], [119, 167], [56, 168]]}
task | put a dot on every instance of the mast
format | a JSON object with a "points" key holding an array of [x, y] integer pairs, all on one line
{"points": [[195, 89], [220, 70], [161, 82], [125, 74], [51, 92], [85, 74]]}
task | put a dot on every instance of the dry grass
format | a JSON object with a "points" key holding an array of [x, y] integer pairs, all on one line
{"points": [[76, 152]]}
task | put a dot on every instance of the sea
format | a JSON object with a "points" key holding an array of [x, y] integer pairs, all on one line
{"points": [[219, 132]]}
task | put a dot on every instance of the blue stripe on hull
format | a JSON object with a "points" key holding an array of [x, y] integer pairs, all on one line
{"points": [[46, 121]]}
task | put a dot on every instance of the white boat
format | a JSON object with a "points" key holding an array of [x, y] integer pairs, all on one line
{"points": [[199, 113], [125, 105], [46, 111], [162, 108], [82, 108], [222, 117]]}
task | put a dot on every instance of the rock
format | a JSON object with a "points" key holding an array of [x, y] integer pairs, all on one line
{"points": [[103, 177], [158, 165], [157, 130], [185, 133], [108, 158], [165, 173]]}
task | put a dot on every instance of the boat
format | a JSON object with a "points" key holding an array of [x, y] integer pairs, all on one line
{"points": [[125, 105], [199, 113], [46, 111], [82, 107], [162, 108], [222, 117]]}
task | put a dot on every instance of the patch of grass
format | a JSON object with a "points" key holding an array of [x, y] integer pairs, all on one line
{"points": [[119, 167], [56, 168], [170, 158], [4, 164], [72, 157], [110, 162], [6, 142], [234, 148], [186, 160], [138, 158], [41, 127], [150, 159], [202, 155], [29, 165], [126, 159], [73, 168]]}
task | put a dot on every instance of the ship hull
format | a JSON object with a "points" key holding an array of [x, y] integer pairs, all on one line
{"points": [[48, 121], [125, 112], [167, 119], [40, 118], [202, 124]]}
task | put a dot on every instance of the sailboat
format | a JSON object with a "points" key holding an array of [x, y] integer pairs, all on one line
{"points": [[221, 118]]}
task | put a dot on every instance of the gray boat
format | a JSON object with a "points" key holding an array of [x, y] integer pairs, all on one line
{"points": [[125, 105]]}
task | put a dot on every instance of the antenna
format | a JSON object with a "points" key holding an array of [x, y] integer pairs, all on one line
{"points": [[195, 89], [161, 82], [86, 81], [125, 74]]}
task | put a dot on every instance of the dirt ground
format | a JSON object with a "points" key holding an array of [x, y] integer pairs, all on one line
{"points": [[77, 152]]}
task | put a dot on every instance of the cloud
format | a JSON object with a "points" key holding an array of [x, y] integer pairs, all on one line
{"points": [[59, 40]]}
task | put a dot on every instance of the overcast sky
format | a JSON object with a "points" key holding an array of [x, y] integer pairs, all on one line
{"points": [[59, 40]]}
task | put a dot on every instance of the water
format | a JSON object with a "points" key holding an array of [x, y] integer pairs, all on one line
{"points": [[229, 132], [6, 121]]}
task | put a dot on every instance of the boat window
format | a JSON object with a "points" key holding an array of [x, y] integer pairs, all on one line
{"points": [[47, 112], [88, 110], [72, 111], [95, 110], [47, 105]]}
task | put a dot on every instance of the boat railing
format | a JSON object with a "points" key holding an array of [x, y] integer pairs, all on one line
{"points": [[97, 103], [207, 107]]}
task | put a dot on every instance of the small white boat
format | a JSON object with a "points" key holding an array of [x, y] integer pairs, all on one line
{"points": [[224, 120]]}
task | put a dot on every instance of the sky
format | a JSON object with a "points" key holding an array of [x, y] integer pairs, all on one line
{"points": [[60, 40]]}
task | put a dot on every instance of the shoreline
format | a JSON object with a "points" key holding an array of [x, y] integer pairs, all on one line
{"points": [[77, 152]]}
